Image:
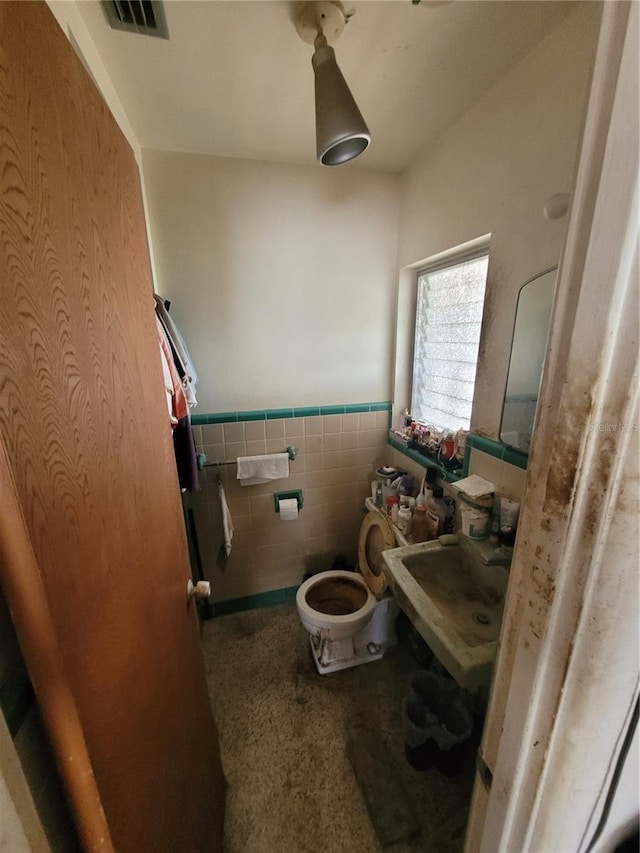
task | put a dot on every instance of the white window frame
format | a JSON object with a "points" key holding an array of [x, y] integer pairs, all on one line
{"points": [[450, 259]]}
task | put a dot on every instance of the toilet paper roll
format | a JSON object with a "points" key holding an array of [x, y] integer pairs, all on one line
{"points": [[289, 509]]}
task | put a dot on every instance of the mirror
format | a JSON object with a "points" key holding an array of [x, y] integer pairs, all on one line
{"points": [[528, 348]]}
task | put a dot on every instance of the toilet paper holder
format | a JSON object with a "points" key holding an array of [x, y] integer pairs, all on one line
{"points": [[282, 496]]}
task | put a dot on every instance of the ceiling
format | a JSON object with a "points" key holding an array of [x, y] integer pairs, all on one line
{"points": [[234, 79]]}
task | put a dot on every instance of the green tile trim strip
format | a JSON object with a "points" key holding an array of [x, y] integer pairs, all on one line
{"points": [[447, 476], [16, 698], [253, 602], [497, 449], [301, 412], [515, 457]]}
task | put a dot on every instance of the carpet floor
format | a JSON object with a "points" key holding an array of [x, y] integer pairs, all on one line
{"points": [[283, 737]]}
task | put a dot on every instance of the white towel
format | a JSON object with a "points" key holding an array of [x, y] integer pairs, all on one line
{"points": [[260, 469], [227, 522]]}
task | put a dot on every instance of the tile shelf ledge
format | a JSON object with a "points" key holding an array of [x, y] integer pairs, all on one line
{"points": [[427, 462], [497, 449]]}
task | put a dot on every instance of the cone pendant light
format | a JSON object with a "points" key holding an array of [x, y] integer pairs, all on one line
{"points": [[341, 132]]}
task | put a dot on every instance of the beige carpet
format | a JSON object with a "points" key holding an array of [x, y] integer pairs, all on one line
{"points": [[283, 732]]}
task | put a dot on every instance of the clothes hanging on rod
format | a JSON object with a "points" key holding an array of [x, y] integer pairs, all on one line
{"points": [[182, 359], [180, 378], [176, 399]]}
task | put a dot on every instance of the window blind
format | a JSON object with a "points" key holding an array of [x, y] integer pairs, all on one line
{"points": [[448, 322]]}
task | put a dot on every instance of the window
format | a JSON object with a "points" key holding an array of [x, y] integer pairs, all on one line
{"points": [[445, 355]]}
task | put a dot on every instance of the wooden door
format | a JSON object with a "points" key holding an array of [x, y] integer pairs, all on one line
{"points": [[93, 557]]}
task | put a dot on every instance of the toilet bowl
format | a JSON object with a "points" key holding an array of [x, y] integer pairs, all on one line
{"points": [[350, 616]]}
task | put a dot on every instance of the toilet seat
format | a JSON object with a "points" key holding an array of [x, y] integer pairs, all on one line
{"points": [[341, 624], [376, 536]]}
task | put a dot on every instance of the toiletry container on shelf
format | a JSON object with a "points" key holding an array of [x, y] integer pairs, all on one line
{"points": [[421, 527], [404, 520], [436, 510]]}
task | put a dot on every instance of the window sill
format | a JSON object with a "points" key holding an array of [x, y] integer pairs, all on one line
{"points": [[429, 462]]}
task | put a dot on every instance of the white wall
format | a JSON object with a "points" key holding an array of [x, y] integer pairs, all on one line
{"points": [[281, 277], [492, 172]]}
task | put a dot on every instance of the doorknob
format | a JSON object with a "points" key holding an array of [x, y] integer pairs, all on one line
{"points": [[201, 591]]}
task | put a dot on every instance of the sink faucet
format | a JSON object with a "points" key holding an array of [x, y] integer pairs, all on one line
{"points": [[498, 557]]}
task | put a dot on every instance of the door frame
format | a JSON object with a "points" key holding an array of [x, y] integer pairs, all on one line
{"points": [[566, 678]]}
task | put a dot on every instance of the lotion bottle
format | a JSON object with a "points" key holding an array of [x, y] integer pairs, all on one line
{"points": [[437, 509]]}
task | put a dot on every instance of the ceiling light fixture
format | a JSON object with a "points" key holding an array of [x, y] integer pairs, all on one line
{"points": [[341, 132]]}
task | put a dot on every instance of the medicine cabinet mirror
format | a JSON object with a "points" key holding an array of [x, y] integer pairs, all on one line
{"points": [[528, 348]]}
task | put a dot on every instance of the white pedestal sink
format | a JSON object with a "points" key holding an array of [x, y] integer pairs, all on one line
{"points": [[454, 600]]}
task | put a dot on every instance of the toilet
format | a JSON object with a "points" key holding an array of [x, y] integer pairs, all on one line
{"points": [[350, 616]]}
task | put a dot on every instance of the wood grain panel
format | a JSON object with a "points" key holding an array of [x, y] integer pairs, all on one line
{"points": [[83, 420]]}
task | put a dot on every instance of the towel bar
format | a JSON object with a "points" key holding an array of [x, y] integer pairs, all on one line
{"points": [[202, 459]]}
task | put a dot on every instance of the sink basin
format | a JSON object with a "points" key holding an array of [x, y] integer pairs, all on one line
{"points": [[454, 600]]}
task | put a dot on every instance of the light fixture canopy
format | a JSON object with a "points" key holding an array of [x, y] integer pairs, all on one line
{"points": [[341, 131]]}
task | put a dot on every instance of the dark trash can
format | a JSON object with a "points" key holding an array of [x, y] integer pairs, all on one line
{"points": [[436, 723]]}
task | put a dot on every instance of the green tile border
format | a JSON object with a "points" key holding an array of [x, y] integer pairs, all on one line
{"points": [[253, 602], [273, 414], [306, 412], [516, 457], [219, 418], [294, 412], [497, 449]]}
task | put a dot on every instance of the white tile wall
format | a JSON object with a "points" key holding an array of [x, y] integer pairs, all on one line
{"points": [[508, 479]]}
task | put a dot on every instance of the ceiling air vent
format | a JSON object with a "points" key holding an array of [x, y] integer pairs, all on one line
{"points": [[145, 17]]}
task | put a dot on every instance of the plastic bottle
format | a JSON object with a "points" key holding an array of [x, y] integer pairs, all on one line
{"points": [[420, 526], [443, 509], [379, 494], [437, 509], [391, 502], [404, 520], [432, 524]]}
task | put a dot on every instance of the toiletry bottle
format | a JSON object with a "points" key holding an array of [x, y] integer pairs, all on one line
{"points": [[404, 520], [432, 525], [420, 526], [437, 509], [379, 494], [443, 509], [391, 502]]}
